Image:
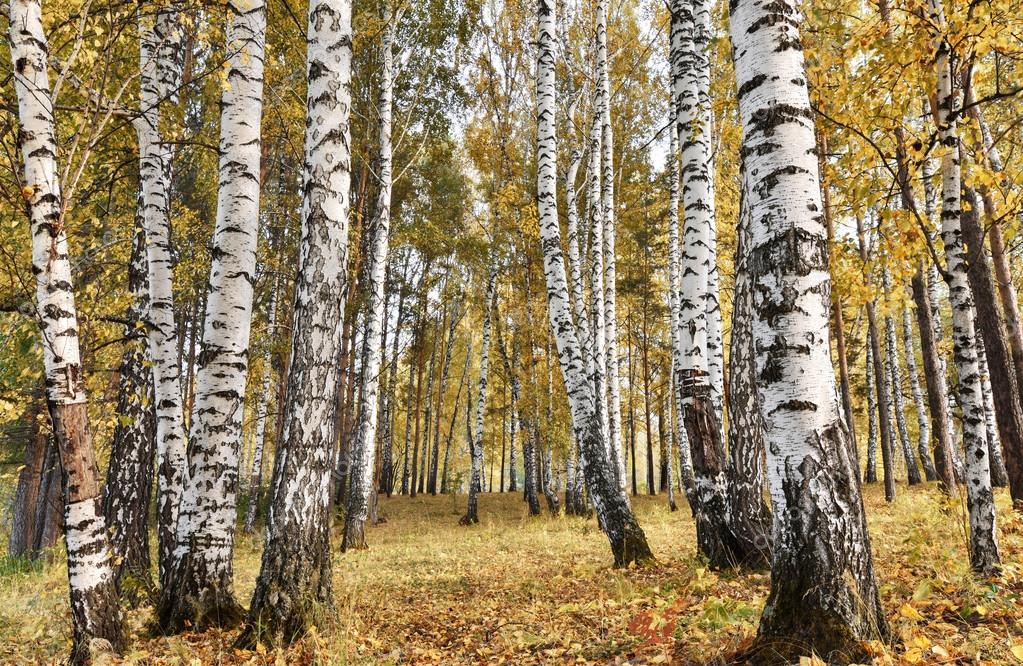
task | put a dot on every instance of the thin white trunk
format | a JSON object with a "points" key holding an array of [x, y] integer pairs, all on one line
{"points": [[984, 556], [363, 459], [607, 206], [894, 377], [95, 612], [256, 470], [159, 64], [203, 571], [922, 420], [476, 473], [628, 543], [870, 475]]}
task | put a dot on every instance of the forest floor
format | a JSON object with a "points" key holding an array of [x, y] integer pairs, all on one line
{"points": [[520, 590]]}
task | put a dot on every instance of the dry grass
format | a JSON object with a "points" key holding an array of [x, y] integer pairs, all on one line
{"points": [[518, 590]]}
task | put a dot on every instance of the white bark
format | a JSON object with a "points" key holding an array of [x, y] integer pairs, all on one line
{"points": [[256, 469], [984, 556], [296, 568], [678, 350], [872, 427], [824, 595], [922, 420], [206, 520], [159, 64], [476, 472], [607, 206], [894, 377], [628, 543], [94, 609], [364, 453]]}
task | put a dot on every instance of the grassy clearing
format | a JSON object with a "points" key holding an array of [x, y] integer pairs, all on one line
{"points": [[518, 590]]}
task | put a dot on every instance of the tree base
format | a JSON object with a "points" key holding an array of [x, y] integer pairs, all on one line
{"points": [[192, 610], [632, 549], [469, 519], [832, 642], [354, 537]]}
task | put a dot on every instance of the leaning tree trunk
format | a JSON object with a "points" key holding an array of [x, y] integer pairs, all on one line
{"points": [[750, 517], [894, 375], [994, 362], [669, 448], [628, 542], [95, 614], [363, 461], [256, 470], [202, 591], [295, 573], [476, 450], [984, 556], [699, 414], [160, 64], [824, 598], [922, 421], [129, 483], [387, 415]]}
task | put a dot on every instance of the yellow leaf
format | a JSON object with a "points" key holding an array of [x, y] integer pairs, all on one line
{"points": [[913, 655], [911, 613], [1017, 651], [27, 192]]}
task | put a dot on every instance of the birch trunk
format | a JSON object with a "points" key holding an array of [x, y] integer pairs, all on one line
{"points": [[870, 473], [256, 469], [750, 516], [95, 614], [471, 516], [678, 351], [129, 482], [454, 416], [999, 475], [922, 421], [699, 413], [880, 382], [628, 543], [607, 205], [824, 594], [669, 449], [894, 377], [364, 452], [159, 64], [984, 556], [1003, 407], [202, 592], [295, 573]]}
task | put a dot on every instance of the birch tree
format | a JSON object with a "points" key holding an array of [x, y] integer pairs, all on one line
{"points": [[129, 482], [202, 589], [364, 452], [295, 573], [922, 421], [256, 468], [699, 413], [159, 65], [602, 107], [95, 614], [824, 595], [626, 537], [471, 516], [984, 555]]}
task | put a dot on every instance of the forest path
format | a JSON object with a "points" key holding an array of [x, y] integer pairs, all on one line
{"points": [[521, 590]]}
